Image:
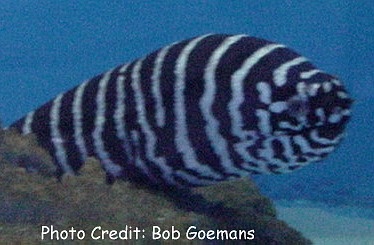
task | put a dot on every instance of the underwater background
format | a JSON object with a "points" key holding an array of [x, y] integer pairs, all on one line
{"points": [[47, 47]]}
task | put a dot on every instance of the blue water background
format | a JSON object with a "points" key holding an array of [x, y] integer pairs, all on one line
{"points": [[47, 47]]}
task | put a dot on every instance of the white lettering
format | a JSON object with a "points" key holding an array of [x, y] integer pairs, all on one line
{"points": [[193, 233], [125, 234], [174, 234], [54, 234]]}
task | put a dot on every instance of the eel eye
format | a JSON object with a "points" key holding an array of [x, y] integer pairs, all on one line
{"points": [[298, 107]]}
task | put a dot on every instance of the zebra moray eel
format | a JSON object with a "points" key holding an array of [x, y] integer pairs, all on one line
{"points": [[203, 110]]}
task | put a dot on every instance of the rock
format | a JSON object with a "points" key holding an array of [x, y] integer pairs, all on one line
{"points": [[229, 210]]}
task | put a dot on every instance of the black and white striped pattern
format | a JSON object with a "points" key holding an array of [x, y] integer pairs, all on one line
{"points": [[203, 110]]}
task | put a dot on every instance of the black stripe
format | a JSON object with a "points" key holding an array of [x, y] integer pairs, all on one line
{"points": [[165, 144], [132, 124], [89, 108], [146, 88], [229, 63], [41, 128], [66, 129], [195, 86], [112, 144]]}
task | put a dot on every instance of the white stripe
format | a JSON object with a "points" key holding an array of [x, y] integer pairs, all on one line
{"points": [[313, 89], [342, 95], [280, 74], [346, 112], [285, 140], [301, 88], [156, 83], [335, 117], [314, 135], [193, 179], [119, 113], [218, 143], [308, 74], [242, 149], [103, 155], [247, 138], [123, 69], [264, 125], [77, 120], [267, 152], [237, 80], [288, 125], [327, 86], [26, 128], [150, 144], [182, 142], [264, 91], [56, 137], [278, 107], [336, 82], [306, 148], [320, 113], [138, 161]]}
